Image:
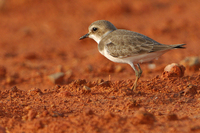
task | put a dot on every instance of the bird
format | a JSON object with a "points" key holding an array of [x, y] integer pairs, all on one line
{"points": [[125, 46]]}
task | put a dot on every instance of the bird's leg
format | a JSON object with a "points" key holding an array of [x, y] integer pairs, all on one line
{"points": [[140, 70], [138, 73], [135, 83]]}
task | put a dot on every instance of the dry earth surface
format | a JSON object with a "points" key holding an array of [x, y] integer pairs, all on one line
{"points": [[50, 81]]}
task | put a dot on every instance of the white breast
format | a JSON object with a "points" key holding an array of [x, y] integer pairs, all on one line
{"points": [[140, 58]]}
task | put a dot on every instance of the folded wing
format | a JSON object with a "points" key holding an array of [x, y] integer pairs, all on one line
{"points": [[129, 43]]}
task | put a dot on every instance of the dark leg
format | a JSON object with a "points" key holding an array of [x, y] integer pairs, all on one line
{"points": [[140, 70]]}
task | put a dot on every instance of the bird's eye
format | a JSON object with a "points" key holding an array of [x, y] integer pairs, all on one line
{"points": [[94, 28]]}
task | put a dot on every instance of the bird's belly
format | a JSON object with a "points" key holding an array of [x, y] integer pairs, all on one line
{"points": [[140, 58]]}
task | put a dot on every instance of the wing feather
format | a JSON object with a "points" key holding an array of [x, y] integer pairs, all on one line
{"points": [[124, 43]]}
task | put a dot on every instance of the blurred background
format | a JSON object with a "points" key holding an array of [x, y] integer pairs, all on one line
{"points": [[40, 38]]}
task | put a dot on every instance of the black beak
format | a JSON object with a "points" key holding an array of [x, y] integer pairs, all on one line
{"points": [[85, 36]]}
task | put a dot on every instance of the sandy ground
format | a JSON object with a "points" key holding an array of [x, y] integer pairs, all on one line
{"points": [[40, 39]]}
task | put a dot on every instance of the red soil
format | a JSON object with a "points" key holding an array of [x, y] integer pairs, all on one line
{"points": [[40, 38]]}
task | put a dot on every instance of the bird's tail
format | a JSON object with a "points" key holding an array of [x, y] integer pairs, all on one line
{"points": [[178, 46]]}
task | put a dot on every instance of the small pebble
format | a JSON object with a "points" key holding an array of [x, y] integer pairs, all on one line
{"points": [[86, 89], [151, 66], [174, 70], [105, 84], [192, 63], [172, 117], [144, 117], [14, 89], [79, 82], [65, 93], [191, 90], [53, 105], [31, 114], [100, 81], [35, 91], [56, 78]]}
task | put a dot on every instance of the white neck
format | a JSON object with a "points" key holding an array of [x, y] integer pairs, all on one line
{"points": [[97, 38]]}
